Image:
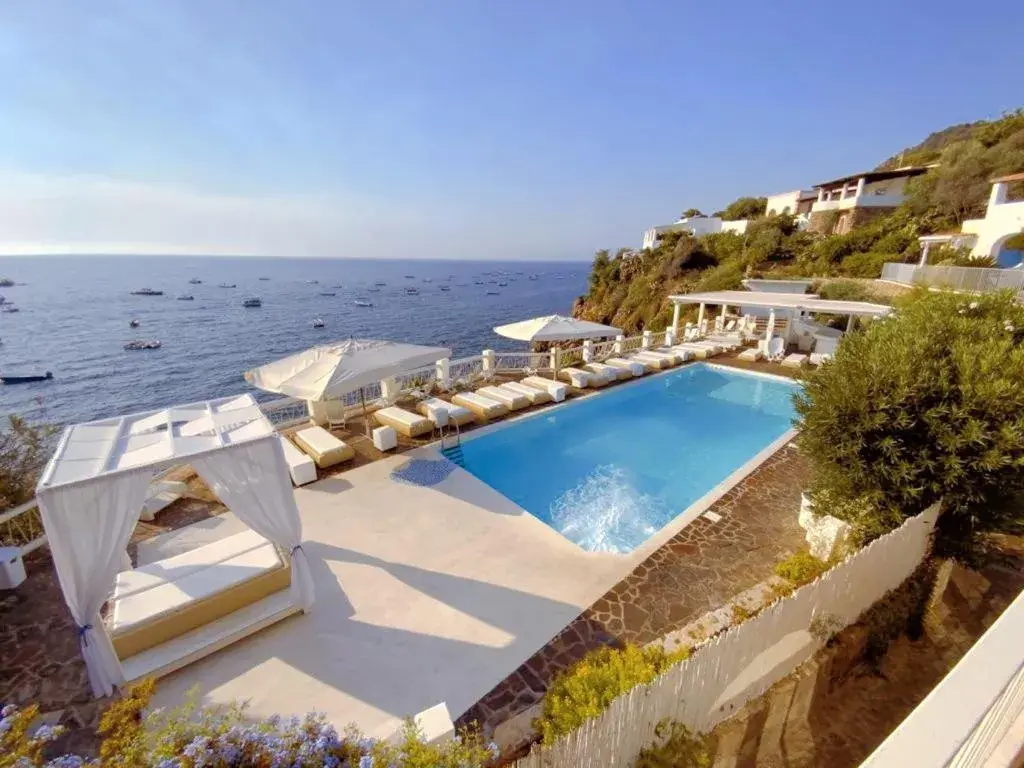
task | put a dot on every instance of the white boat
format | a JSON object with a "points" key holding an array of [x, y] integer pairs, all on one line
{"points": [[446, 287], [362, 303], [195, 281], [228, 285], [412, 291], [252, 301], [186, 297], [318, 323]]}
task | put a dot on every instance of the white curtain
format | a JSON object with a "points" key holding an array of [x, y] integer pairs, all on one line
{"points": [[252, 480], [88, 527]]}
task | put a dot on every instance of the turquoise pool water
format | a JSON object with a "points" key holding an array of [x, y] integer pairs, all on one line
{"points": [[609, 471]]}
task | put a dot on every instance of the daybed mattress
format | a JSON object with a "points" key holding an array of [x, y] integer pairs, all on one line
{"points": [[511, 400], [534, 395], [404, 422], [484, 407], [323, 447], [166, 599], [554, 388], [456, 413]]}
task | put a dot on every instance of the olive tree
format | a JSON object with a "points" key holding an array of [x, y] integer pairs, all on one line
{"points": [[924, 406]]}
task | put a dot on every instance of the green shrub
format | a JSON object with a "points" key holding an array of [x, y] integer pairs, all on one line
{"points": [[801, 568], [842, 290], [590, 686], [867, 264], [676, 747], [924, 406]]}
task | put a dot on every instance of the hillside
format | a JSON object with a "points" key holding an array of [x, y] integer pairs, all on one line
{"points": [[629, 290]]}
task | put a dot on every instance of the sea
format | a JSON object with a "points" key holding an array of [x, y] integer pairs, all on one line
{"points": [[74, 312]]}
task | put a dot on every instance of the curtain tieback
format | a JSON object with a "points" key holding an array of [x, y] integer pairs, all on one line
{"points": [[81, 633]]}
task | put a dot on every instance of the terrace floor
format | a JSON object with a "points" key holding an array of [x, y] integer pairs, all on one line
{"points": [[425, 594]]}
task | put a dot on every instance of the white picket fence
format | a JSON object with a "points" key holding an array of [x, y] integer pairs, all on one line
{"points": [[744, 662]]}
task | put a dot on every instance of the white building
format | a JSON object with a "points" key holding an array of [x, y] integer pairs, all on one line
{"points": [[1004, 218], [696, 226], [795, 202], [849, 201]]}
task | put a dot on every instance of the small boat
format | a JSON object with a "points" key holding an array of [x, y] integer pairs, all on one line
{"points": [[195, 281], [362, 303], [312, 282], [252, 301], [228, 285], [328, 293], [381, 284], [412, 291], [147, 292], [338, 285], [446, 287], [373, 290], [186, 297], [318, 323], [6, 282], [410, 277], [427, 280], [502, 284], [263, 278], [10, 310], [493, 293], [3, 300], [25, 379], [133, 323], [532, 277], [142, 344]]}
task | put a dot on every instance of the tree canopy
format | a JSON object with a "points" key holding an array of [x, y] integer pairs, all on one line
{"points": [[690, 213], [921, 407], [745, 208]]}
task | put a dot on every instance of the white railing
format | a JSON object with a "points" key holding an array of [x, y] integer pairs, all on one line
{"points": [[466, 369], [22, 527], [285, 411], [603, 350], [745, 661], [632, 343], [967, 719], [371, 393], [971, 279], [521, 361], [569, 356], [419, 379]]}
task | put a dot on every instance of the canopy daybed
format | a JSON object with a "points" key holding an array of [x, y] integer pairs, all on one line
{"points": [[169, 613]]}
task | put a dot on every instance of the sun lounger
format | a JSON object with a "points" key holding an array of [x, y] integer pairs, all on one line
{"points": [[404, 422], [582, 379], [725, 341], [635, 367], [456, 413], [323, 447], [683, 355], [795, 360], [553, 388], [535, 396], [698, 350], [511, 400], [610, 371], [670, 358], [484, 407], [300, 466], [650, 362], [751, 355]]}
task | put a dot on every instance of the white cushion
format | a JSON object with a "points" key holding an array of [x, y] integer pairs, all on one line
{"points": [[167, 585], [555, 388], [400, 415], [300, 466], [385, 438]]}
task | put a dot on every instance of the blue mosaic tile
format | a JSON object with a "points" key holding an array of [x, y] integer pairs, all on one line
{"points": [[423, 472]]}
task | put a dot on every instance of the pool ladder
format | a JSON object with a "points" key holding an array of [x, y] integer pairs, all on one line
{"points": [[453, 452]]}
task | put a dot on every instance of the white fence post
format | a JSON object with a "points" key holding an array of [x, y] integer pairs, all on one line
{"points": [[389, 389], [554, 358], [620, 342], [444, 376], [670, 337], [647, 340], [588, 350], [488, 360]]}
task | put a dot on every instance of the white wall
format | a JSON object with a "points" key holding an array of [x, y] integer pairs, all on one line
{"points": [[739, 227], [697, 226], [1002, 219], [741, 664]]}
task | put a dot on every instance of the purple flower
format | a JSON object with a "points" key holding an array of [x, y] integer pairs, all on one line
{"points": [[366, 761], [8, 711], [6, 723], [66, 761], [167, 763], [47, 732]]}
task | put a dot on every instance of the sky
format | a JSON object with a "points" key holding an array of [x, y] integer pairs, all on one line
{"points": [[534, 129]]}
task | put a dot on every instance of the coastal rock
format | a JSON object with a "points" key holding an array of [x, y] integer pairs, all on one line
{"points": [[823, 532]]}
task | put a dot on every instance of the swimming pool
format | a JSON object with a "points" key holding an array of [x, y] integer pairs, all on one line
{"points": [[609, 471]]}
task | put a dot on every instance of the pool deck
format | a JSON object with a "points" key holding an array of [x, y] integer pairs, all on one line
{"points": [[427, 594]]}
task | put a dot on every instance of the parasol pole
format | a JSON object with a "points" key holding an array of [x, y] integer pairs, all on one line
{"points": [[366, 416]]}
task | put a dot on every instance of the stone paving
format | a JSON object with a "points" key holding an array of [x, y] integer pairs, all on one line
{"points": [[696, 571]]}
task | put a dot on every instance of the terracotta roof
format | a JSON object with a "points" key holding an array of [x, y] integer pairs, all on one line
{"points": [[1011, 177], [869, 176]]}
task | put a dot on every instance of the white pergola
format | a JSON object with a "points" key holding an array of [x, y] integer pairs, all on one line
{"points": [[797, 302], [93, 489]]}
